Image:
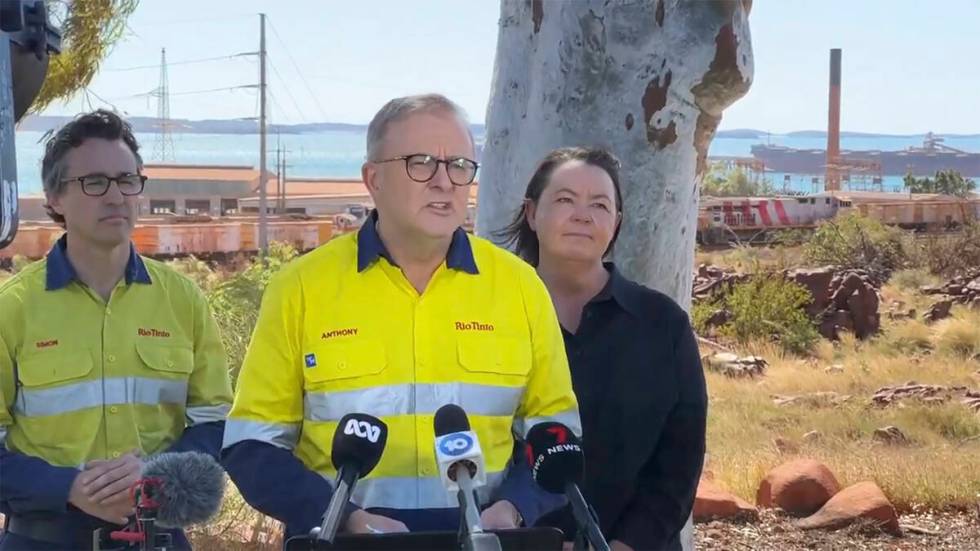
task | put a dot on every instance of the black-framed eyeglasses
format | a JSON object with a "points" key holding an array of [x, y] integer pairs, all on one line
{"points": [[422, 167], [97, 185]]}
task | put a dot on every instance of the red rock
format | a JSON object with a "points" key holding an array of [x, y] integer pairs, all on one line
{"points": [[714, 502], [862, 500], [799, 487]]}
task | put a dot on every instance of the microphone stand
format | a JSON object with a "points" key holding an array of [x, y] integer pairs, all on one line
{"points": [[588, 522], [471, 534], [331, 519]]}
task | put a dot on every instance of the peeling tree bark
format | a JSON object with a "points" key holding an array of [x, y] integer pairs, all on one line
{"points": [[648, 79]]}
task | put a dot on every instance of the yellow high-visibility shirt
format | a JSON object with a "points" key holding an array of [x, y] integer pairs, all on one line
{"points": [[84, 379], [341, 330]]}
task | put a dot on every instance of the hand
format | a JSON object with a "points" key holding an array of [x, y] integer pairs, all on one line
{"points": [[500, 516], [363, 522], [116, 513], [109, 482]]}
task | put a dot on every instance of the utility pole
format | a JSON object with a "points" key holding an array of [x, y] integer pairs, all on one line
{"points": [[263, 203], [278, 171], [282, 192]]}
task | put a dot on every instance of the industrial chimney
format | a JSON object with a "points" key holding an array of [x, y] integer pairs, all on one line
{"points": [[832, 179]]}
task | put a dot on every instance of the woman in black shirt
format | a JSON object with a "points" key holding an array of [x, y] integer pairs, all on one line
{"points": [[633, 355]]}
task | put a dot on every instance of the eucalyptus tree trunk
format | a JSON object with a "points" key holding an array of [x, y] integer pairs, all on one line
{"points": [[649, 80]]}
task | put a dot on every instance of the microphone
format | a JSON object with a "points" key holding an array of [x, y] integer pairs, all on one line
{"points": [[190, 488], [558, 466], [357, 447], [175, 490], [462, 470]]}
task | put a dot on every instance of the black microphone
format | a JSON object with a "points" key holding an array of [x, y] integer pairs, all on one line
{"points": [[461, 469], [558, 466], [357, 447]]}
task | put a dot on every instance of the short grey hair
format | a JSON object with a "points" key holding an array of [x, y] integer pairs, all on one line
{"points": [[399, 108]]}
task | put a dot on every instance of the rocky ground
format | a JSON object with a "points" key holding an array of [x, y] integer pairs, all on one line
{"points": [[953, 531]]}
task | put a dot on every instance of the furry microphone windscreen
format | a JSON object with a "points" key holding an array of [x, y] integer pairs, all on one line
{"points": [[192, 487]]}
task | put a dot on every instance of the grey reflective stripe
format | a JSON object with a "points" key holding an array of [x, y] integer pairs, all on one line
{"points": [[415, 492], [3, 436], [283, 435], [412, 399], [197, 415], [91, 394], [569, 418]]}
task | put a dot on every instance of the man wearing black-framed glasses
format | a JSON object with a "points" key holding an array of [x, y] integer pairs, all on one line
{"points": [[106, 357], [407, 315]]}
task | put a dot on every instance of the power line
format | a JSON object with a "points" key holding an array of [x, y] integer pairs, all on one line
{"points": [[225, 89], [184, 62], [204, 19], [155, 91], [100, 98], [316, 101], [299, 110], [276, 102]]}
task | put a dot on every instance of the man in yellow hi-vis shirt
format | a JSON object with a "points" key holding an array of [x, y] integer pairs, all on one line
{"points": [[395, 321], [105, 357]]}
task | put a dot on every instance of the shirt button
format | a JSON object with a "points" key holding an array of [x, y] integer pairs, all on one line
{"points": [[341, 365], [170, 363], [115, 455], [111, 358], [114, 409], [108, 311]]}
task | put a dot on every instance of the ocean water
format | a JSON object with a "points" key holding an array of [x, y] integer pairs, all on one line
{"points": [[339, 153]]}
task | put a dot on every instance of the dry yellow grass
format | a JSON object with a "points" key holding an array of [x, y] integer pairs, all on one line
{"points": [[938, 469], [745, 258], [959, 335], [907, 337], [913, 279]]}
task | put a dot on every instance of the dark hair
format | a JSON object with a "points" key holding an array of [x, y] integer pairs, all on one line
{"points": [[97, 124], [519, 235]]}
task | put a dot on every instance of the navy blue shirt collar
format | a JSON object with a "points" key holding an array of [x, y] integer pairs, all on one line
{"points": [[370, 248], [620, 290], [60, 272]]}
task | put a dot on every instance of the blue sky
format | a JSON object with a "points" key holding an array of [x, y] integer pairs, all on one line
{"points": [[908, 66]]}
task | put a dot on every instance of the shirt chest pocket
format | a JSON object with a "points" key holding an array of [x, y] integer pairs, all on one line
{"points": [[164, 377], [54, 368], [53, 383], [343, 361], [494, 355], [175, 362]]}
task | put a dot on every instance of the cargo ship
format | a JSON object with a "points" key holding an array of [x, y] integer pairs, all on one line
{"points": [[932, 157]]}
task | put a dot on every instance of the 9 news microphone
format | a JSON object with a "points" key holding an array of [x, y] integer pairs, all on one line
{"points": [[558, 466], [357, 447], [462, 470]]}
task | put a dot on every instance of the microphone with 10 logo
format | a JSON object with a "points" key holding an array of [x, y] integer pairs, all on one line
{"points": [[462, 470]]}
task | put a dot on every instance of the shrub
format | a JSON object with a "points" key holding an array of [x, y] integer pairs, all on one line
{"points": [[771, 307], [235, 302], [855, 241]]}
